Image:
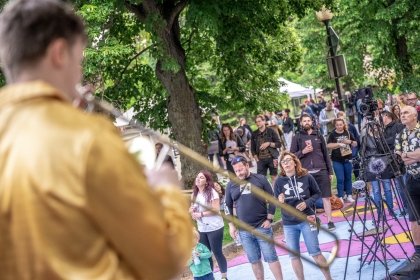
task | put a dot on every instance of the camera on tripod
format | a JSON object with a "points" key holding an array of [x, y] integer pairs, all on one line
{"points": [[368, 106]]}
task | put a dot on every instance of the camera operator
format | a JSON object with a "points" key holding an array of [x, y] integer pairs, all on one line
{"points": [[350, 107], [408, 147], [391, 130]]}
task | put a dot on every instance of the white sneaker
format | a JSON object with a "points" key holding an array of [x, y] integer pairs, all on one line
{"points": [[342, 200], [350, 199]]}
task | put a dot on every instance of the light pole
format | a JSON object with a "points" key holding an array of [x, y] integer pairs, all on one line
{"points": [[326, 16]]}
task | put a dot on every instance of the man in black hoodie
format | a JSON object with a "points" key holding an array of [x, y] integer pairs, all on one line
{"points": [[310, 147]]}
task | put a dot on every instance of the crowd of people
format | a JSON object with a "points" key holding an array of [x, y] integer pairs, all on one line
{"points": [[64, 216], [326, 142]]}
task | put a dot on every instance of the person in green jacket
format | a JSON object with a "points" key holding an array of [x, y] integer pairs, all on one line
{"points": [[199, 263]]}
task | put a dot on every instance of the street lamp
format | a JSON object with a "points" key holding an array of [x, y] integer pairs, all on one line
{"points": [[326, 16]]}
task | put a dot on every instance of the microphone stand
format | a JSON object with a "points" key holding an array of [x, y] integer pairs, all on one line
{"points": [[381, 226]]}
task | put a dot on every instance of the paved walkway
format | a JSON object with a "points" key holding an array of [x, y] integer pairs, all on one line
{"points": [[240, 269]]}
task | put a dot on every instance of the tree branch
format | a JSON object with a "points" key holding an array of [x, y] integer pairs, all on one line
{"points": [[175, 12], [189, 39], [132, 59], [136, 9]]}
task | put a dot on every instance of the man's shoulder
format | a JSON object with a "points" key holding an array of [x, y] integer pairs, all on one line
{"points": [[255, 132], [270, 130], [257, 179]]}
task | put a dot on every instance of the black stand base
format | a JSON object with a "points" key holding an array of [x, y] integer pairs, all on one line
{"points": [[409, 272]]}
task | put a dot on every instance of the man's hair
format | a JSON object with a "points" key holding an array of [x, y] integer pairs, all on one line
{"points": [[388, 114], [159, 144], [302, 106], [412, 109], [403, 94], [27, 28], [305, 115], [412, 92], [261, 117], [238, 160], [287, 110]]}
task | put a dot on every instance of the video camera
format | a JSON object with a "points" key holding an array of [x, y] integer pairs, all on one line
{"points": [[368, 106]]}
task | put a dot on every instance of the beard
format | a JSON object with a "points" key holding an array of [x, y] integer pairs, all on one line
{"points": [[307, 126]]}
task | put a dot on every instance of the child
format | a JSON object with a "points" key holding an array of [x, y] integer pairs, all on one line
{"points": [[200, 271]]}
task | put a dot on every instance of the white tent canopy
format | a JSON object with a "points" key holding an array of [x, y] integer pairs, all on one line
{"points": [[127, 116], [296, 90]]}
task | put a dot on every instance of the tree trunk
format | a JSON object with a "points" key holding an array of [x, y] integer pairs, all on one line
{"points": [[401, 49], [183, 110]]}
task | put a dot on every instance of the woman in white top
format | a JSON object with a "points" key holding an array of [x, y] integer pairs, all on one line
{"points": [[210, 226]]}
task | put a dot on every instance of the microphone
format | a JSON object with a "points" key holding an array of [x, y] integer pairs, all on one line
{"points": [[358, 185], [377, 165]]}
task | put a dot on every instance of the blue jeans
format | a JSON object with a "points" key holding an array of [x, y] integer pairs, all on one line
{"points": [[401, 192], [386, 184], [342, 171], [292, 235], [253, 246]]}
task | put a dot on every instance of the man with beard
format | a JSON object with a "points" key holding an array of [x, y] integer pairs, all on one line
{"points": [[310, 147], [253, 210], [413, 101]]}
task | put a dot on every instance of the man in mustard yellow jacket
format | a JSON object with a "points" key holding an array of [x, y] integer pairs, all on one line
{"points": [[74, 203]]}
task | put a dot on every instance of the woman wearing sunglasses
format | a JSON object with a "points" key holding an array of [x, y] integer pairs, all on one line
{"points": [[299, 189]]}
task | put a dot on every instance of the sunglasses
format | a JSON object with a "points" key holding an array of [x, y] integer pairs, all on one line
{"points": [[286, 161], [238, 159]]}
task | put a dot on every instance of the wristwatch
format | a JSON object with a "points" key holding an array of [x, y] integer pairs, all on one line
{"points": [[270, 220], [405, 154]]}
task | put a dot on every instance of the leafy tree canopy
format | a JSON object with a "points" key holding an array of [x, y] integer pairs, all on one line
{"points": [[234, 54], [378, 38]]}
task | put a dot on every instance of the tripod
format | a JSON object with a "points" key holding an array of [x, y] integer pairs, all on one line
{"points": [[381, 227], [377, 159]]}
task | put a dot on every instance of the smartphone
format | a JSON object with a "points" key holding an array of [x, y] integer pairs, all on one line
{"points": [[308, 143]]}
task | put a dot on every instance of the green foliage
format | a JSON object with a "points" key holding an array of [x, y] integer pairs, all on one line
{"points": [[234, 54], [378, 38], [118, 63]]}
